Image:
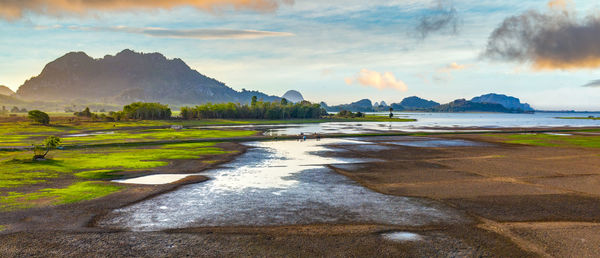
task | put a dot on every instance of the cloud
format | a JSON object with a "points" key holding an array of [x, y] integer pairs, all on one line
{"points": [[558, 4], [14, 9], [204, 34], [441, 18], [594, 84], [452, 67], [548, 41], [377, 80]]}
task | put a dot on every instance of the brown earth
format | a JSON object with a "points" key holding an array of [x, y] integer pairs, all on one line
{"points": [[545, 199]]}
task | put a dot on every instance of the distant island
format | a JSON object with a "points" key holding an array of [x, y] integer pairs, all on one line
{"points": [[486, 103]]}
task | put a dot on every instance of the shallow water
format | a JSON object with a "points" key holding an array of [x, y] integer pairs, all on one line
{"points": [[278, 183], [89, 134], [402, 236], [442, 122]]}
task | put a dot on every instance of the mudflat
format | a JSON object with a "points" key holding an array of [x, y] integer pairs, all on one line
{"points": [[520, 200]]}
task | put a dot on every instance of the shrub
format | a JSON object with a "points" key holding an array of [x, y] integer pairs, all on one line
{"points": [[39, 117]]}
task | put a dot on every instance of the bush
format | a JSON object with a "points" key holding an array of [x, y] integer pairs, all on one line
{"points": [[39, 117], [40, 151], [85, 113], [256, 110], [143, 110]]}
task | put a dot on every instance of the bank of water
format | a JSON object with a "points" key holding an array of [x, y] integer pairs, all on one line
{"points": [[279, 183]]}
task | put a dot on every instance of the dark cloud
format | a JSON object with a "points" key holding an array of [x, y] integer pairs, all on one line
{"points": [[594, 83], [14, 9], [441, 18], [552, 40]]}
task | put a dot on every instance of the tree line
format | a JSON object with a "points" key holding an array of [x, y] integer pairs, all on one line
{"points": [[256, 110]]}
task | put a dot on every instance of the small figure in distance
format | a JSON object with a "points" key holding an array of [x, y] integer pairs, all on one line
{"points": [[391, 114]]}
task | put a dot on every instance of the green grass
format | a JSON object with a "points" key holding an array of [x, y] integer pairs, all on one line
{"points": [[552, 140], [76, 192], [156, 135], [92, 163], [2, 228], [99, 174]]}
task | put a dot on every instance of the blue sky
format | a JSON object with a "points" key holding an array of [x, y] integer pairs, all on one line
{"points": [[338, 51]]}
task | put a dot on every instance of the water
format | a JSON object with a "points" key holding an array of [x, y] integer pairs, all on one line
{"points": [[402, 236], [278, 183], [443, 122]]}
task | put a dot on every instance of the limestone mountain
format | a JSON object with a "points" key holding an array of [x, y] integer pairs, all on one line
{"points": [[293, 96], [506, 101], [126, 77]]}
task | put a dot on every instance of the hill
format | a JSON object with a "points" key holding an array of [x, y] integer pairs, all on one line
{"points": [[6, 91], [506, 101], [126, 77], [293, 96], [363, 105], [414, 103], [462, 105]]}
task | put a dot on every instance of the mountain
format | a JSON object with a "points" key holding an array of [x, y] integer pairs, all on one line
{"points": [[462, 105], [126, 77], [416, 103], [363, 105], [6, 91], [506, 101], [293, 96]]}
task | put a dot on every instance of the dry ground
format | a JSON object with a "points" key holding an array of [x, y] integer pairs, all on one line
{"points": [[545, 199]]}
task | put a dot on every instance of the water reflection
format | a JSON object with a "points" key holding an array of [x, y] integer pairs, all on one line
{"points": [[278, 183]]}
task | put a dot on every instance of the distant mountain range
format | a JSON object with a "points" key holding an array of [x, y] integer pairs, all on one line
{"points": [[486, 103], [126, 77]]}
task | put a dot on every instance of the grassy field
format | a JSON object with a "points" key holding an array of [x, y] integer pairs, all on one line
{"points": [[83, 172], [551, 140], [86, 167]]}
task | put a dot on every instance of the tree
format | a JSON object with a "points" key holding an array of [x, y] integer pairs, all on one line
{"points": [[40, 151], [86, 113], [284, 102], [253, 102], [39, 117]]}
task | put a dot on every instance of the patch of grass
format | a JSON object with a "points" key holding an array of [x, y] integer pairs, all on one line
{"points": [[98, 174], [96, 163], [157, 134], [2, 228], [76, 192], [549, 140]]}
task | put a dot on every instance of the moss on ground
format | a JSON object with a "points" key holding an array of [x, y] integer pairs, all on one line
{"points": [[550, 140], [76, 192], [97, 162]]}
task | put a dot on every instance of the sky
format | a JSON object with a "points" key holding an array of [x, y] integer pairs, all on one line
{"points": [[547, 53]]}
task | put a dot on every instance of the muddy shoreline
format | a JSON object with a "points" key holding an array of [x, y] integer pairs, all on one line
{"points": [[520, 198]]}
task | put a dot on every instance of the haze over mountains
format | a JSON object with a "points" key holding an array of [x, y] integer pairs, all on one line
{"points": [[126, 77]]}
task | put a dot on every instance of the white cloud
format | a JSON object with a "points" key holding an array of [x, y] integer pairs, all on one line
{"points": [[377, 80]]}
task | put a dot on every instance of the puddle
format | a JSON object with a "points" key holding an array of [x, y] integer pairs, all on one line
{"points": [[154, 179], [402, 236], [436, 143], [88, 134], [559, 134], [278, 183]]}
